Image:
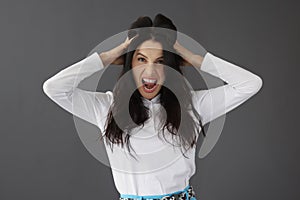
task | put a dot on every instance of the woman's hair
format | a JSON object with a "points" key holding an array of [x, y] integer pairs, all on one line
{"points": [[176, 114]]}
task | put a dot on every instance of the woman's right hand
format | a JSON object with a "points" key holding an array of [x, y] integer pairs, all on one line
{"points": [[128, 41], [115, 55]]}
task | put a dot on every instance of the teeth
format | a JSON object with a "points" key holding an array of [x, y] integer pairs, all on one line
{"points": [[145, 80]]}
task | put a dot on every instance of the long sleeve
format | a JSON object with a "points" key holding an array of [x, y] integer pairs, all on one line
{"points": [[241, 85], [62, 89]]}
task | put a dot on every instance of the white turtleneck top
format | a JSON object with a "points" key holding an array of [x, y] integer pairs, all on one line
{"points": [[160, 169]]}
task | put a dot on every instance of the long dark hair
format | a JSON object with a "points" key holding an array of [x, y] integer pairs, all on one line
{"points": [[139, 113]]}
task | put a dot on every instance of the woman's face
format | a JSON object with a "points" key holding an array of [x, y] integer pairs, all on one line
{"points": [[148, 68]]}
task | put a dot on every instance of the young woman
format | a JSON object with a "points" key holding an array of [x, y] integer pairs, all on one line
{"points": [[139, 118]]}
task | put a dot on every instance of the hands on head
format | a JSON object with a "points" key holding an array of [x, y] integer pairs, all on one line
{"points": [[177, 47]]}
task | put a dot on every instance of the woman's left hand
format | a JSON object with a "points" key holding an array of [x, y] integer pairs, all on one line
{"points": [[189, 58]]}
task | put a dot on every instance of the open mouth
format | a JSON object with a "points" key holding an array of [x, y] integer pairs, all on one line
{"points": [[149, 84]]}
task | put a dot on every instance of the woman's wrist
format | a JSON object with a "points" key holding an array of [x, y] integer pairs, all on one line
{"points": [[197, 60], [112, 55], [188, 56]]}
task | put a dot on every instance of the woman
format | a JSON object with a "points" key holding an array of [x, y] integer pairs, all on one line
{"points": [[144, 107]]}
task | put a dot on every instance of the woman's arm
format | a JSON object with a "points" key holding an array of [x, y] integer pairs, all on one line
{"points": [[62, 89], [241, 85], [212, 103], [113, 56]]}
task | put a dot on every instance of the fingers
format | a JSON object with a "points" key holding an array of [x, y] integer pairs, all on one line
{"points": [[128, 41]]}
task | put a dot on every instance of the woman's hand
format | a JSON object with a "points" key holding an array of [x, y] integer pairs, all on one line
{"points": [[189, 58], [115, 55], [120, 59], [128, 41]]}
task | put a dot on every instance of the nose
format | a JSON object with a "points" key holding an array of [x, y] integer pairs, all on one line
{"points": [[150, 68]]}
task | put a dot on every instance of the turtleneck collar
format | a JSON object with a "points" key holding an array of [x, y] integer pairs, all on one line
{"points": [[153, 100]]}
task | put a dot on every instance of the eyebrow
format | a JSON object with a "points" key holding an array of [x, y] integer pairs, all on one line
{"points": [[146, 56]]}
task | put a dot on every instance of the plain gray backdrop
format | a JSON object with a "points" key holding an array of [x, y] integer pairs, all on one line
{"points": [[42, 157]]}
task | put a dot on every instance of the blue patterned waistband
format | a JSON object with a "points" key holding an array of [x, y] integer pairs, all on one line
{"points": [[186, 194]]}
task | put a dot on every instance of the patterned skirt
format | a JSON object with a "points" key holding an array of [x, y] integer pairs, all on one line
{"points": [[186, 194]]}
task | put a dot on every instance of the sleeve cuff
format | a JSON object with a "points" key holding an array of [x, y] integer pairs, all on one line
{"points": [[95, 58], [207, 62]]}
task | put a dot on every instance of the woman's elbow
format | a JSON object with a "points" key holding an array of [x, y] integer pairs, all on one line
{"points": [[48, 87], [257, 85], [250, 87]]}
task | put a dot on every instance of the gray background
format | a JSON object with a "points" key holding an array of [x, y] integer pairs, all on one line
{"points": [[42, 157]]}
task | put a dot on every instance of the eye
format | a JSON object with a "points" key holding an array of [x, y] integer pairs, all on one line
{"points": [[141, 58], [161, 61]]}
